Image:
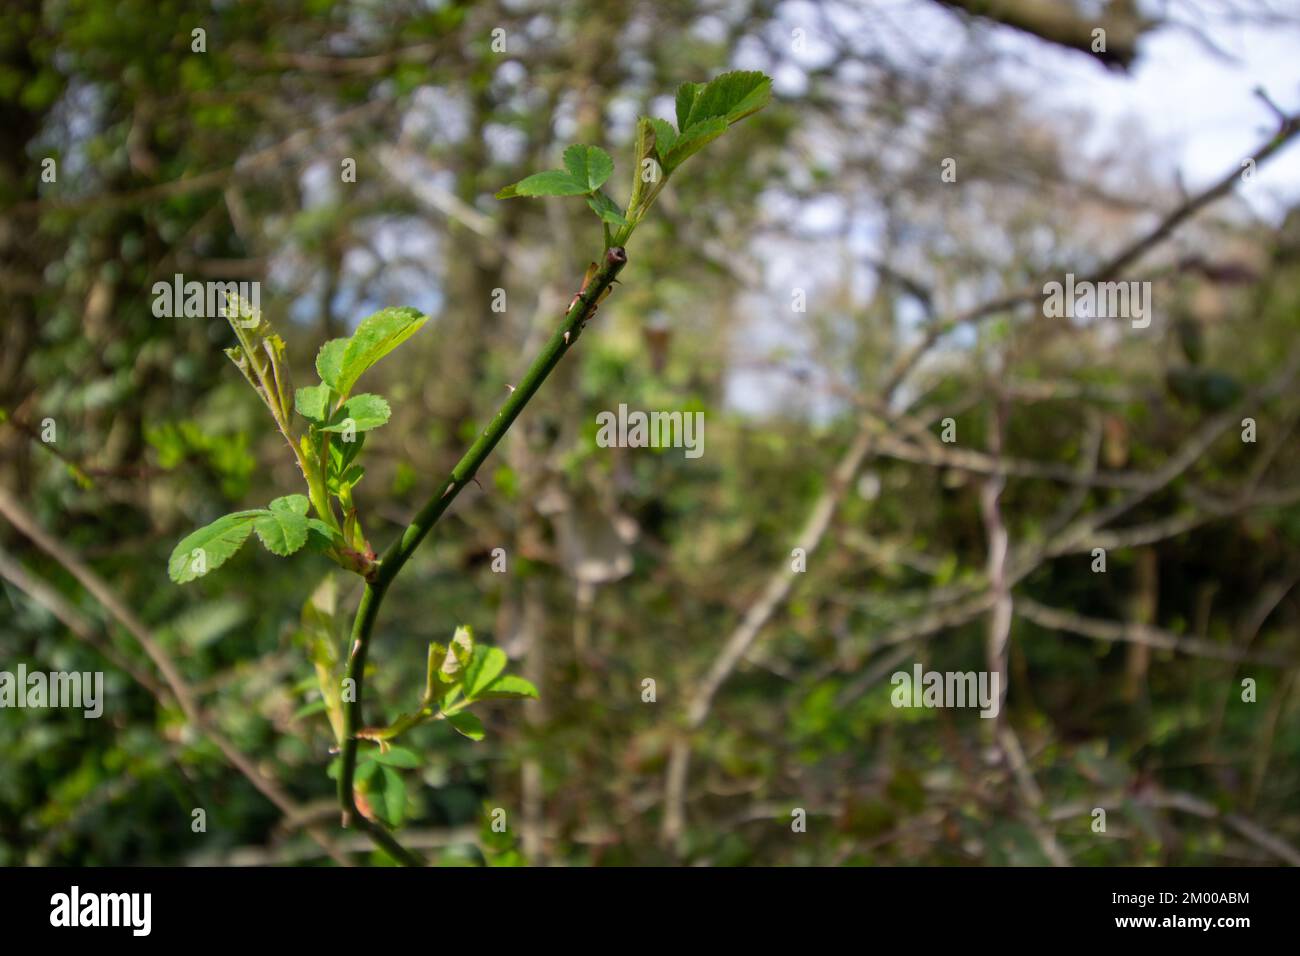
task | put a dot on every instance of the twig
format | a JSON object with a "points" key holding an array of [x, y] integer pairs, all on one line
{"points": [[738, 644], [180, 689], [1121, 260], [1028, 787], [1135, 633], [393, 559]]}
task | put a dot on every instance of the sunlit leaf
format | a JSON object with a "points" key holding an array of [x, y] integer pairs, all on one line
{"points": [[606, 209], [364, 412], [282, 531], [588, 165], [374, 338], [552, 182], [329, 361], [467, 725], [508, 685], [211, 546], [312, 402], [484, 666], [731, 96]]}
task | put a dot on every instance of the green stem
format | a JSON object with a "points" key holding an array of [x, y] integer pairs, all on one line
{"points": [[400, 551]]}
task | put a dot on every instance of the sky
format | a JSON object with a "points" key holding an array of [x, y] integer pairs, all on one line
{"points": [[1195, 105]]}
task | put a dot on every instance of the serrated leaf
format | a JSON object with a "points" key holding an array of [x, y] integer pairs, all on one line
{"points": [[363, 411], [606, 209], [320, 536], [687, 93], [664, 136], [329, 361], [211, 546], [342, 454], [312, 402], [589, 165], [552, 182], [467, 725], [508, 685], [282, 532], [349, 479], [298, 504], [462, 645], [437, 676], [692, 141], [397, 757], [374, 338], [483, 668], [731, 96]]}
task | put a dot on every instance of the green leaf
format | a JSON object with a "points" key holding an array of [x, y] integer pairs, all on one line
{"points": [[312, 402], [665, 137], [320, 536], [686, 96], [397, 757], [364, 411], [437, 675], [692, 141], [261, 358], [606, 209], [319, 632], [589, 165], [211, 546], [731, 96], [483, 668], [467, 725], [329, 361], [374, 338], [508, 685], [343, 453], [298, 504], [552, 182], [349, 479], [282, 531], [393, 804], [461, 650]]}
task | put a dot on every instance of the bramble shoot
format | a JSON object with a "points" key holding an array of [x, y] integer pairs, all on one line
{"points": [[325, 426]]}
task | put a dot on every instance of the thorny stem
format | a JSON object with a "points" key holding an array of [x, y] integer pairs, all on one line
{"points": [[399, 552]]}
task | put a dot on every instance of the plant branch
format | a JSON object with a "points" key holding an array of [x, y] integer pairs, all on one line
{"points": [[580, 310]]}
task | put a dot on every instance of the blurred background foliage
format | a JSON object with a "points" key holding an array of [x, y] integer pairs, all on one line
{"points": [[630, 564]]}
